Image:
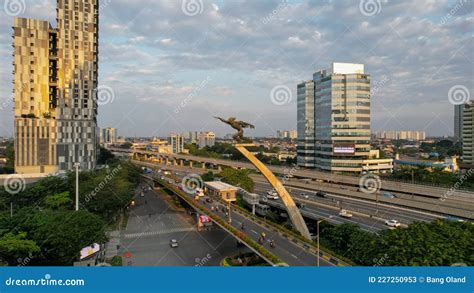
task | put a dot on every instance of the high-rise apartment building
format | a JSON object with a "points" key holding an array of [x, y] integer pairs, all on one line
{"points": [[341, 120], [177, 143], [207, 139], [305, 124], [401, 135], [55, 89], [192, 136], [458, 121], [108, 135], [468, 134]]}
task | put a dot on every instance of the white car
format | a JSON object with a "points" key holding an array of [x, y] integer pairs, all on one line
{"points": [[304, 195], [345, 214], [174, 243], [272, 195], [392, 223]]}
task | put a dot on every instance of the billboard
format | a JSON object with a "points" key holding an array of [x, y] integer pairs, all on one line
{"points": [[89, 250], [346, 149]]}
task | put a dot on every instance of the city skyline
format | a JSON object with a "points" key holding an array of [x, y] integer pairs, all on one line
{"points": [[170, 74]]}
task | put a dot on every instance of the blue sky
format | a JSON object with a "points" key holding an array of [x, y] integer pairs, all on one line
{"points": [[172, 65]]}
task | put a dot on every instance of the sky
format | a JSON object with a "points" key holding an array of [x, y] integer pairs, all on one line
{"points": [[170, 66]]}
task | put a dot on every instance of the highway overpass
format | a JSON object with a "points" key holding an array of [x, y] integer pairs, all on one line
{"points": [[386, 185], [290, 249]]}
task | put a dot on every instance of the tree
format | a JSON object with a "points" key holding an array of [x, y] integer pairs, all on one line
{"points": [[15, 246], [209, 176], [104, 156], [62, 234], [58, 201], [238, 178]]}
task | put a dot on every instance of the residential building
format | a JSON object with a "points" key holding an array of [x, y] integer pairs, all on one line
{"points": [[108, 135], [206, 139], [177, 143], [192, 136], [458, 121], [55, 89], [342, 121], [468, 134], [401, 135], [305, 124], [282, 134]]}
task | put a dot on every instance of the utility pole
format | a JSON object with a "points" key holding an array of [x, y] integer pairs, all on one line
{"points": [[11, 209], [317, 236], [77, 185]]}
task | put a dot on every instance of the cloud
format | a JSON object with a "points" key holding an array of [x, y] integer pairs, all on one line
{"points": [[154, 55]]}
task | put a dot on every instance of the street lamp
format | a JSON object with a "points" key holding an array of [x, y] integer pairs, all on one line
{"points": [[77, 165], [317, 234]]}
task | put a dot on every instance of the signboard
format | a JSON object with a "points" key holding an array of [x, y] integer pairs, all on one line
{"points": [[344, 149], [89, 250]]}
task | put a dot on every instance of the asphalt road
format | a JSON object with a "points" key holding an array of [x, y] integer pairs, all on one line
{"points": [[153, 223], [285, 249], [319, 206]]}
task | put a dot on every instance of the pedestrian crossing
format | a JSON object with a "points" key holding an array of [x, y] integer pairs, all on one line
{"points": [[160, 232]]}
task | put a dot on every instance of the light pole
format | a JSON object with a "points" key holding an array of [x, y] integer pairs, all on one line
{"points": [[77, 165], [317, 235]]}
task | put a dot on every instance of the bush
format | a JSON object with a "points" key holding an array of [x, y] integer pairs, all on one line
{"points": [[116, 261]]}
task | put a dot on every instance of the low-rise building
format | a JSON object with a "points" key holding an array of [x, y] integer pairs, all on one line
{"points": [[220, 189]]}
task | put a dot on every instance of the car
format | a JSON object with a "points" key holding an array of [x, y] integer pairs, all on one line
{"points": [[173, 243], [302, 194], [389, 195], [345, 214], [321, 194], [300, 205], [209, 200], [392, 223]]}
